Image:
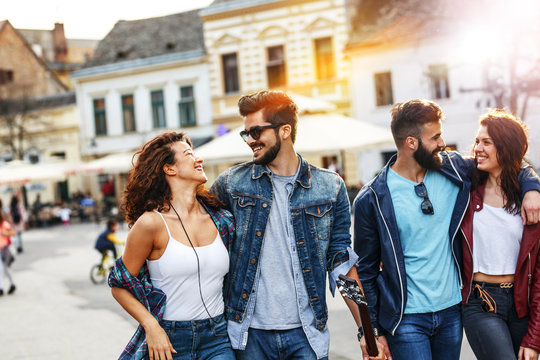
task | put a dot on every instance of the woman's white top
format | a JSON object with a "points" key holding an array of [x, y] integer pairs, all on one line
{"points": [[175, 272], [496, 241]]}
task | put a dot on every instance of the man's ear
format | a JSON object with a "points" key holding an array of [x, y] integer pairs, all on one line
{"points": [[411, 143], [286, 129]]}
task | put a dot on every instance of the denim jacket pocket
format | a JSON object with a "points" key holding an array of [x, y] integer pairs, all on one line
{"points": [[319, 220], [244, 206]]}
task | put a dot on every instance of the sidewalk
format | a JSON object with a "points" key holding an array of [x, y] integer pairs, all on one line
{"points": [[45, 318], [58, 314]]}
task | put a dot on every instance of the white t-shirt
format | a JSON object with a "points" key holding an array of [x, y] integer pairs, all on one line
{"points": [[496, 241]]}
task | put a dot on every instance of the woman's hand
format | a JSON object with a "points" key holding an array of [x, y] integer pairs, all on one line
{"points": [[159, 345], [527, 354]]}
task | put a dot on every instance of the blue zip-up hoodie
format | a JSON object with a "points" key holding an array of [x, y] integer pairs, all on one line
{"points": [[376, 237]]}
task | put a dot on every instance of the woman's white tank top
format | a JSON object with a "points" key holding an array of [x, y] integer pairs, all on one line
{"points": [[175, 272], [496, 241]]}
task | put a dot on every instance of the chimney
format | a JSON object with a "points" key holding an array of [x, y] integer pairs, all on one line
{"points": [[60, 43]]}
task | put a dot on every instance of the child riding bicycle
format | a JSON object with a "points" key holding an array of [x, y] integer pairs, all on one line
{"points": [[107, 240]]}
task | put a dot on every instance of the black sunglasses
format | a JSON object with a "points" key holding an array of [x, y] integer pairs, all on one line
{"points": [[426, 206], [255, 132]]}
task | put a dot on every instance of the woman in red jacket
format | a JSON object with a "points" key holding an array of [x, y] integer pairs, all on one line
{"points": [[501, 292]]}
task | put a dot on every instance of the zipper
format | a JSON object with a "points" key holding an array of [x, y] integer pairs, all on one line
{"points": [[462, 216], [472, 266], [529, 275], [395, 258]]}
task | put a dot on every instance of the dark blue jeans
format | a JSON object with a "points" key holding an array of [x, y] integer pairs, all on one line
{"points": [[494, 335], [199, 339], [428, 336], [276, 345]]}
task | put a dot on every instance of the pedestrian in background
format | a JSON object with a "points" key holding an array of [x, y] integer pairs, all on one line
{"points": [[108, 240], [170, 278], [6, 232], [18, 216], [64, 213], [501, 259]]}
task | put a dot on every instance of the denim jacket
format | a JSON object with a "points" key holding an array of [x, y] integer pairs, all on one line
{"points": [[319, 209], [376, 238]]}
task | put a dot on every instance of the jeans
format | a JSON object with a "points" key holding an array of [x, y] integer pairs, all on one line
{"points": [[199, 339], [428, 336], [277, 345], [494, 335]]}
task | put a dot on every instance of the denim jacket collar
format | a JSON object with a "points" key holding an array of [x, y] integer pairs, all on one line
{"points": [[304, 174]]}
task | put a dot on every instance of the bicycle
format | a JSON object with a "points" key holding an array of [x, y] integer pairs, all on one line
{"points": [[100, 271]]}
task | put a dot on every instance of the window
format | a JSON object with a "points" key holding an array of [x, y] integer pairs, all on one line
{"points": [[439, 87], [275, 67], [324, 58], [6, 76], [187, 107], [230, 73], [383, 89], [128, 113], [158, 109], [100, 119]]}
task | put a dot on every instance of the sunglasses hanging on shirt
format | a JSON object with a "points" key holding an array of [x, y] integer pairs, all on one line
{"points": [[426, 206]]}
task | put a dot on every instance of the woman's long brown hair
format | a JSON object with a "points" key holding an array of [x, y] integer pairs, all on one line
{"points": [[147, 188], [510, 139]]}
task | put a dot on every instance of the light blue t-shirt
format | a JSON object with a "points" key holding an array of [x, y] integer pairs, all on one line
{"points": [[276, 306], [432, 277]]}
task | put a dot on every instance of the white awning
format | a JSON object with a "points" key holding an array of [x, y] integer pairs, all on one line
{"points": [[317, 134], [19, 172], [110, 164], [308, 104]]}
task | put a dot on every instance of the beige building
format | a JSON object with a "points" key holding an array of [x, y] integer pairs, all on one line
{"points": [[38, 118], [293, 45]]}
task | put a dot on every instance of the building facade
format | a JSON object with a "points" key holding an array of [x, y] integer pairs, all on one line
{"points": [[146, 77], [294, 45], [405, 57], [38, 116]]}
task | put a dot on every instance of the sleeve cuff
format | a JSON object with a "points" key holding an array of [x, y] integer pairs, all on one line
{"points": [[342, 268]]}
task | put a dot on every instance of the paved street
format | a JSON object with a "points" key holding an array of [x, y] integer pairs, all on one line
{"points": [[58, 314]]}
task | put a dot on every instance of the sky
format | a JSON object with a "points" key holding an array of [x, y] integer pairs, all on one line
{"points": [[88, 19]]}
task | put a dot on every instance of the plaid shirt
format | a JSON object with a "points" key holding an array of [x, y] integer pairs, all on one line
{"points": [[152, 298]]}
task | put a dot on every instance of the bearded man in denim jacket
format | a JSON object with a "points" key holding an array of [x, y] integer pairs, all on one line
{"points": [[405, 222], [292, 226]]}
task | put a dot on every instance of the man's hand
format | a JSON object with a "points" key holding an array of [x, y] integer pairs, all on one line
{"points": [[530, 208], [382, 345]]}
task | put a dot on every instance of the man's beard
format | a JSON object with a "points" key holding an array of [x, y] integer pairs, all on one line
{"points": [[426, 159], [270, 154]]}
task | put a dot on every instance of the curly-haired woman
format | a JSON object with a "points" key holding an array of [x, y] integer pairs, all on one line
{"points": [[170, 277], [501, 274]]}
